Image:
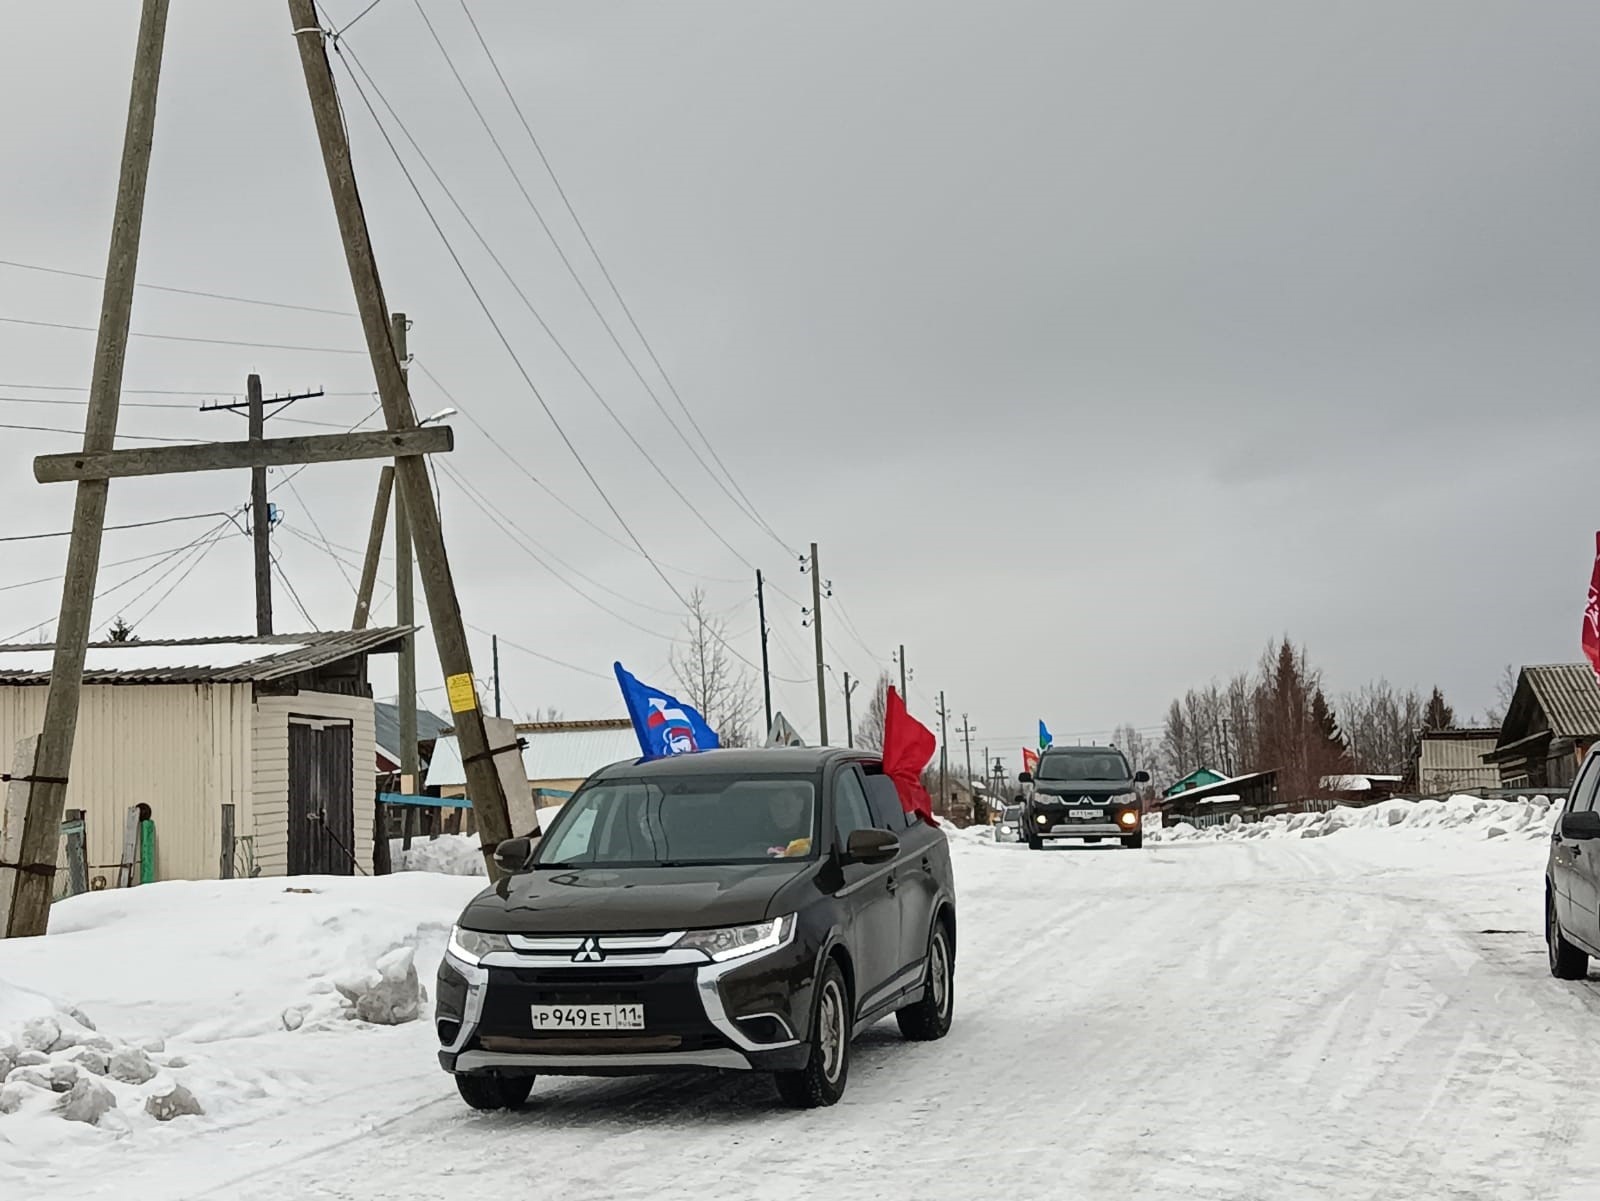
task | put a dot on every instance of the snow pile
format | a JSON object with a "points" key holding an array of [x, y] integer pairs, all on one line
{"points": [[1526, 818], [56, 1066], [446, 855]]}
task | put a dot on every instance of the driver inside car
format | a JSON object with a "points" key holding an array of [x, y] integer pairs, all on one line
{"points": [[789, 811]]}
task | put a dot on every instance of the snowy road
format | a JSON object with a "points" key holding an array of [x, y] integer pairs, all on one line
{"points": [[1365, 1016]]}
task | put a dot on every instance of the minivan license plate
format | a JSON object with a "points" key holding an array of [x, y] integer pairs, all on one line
{"points": [[1083, 813], [588, 1017]]}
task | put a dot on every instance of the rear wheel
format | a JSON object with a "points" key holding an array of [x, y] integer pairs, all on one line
{"points": [[1567, 962], [821, 1082], [930, 1017], [1133, 841], [493, 1091]]}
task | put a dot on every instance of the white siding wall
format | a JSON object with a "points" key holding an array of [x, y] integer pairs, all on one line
{"points": [[182, 749], [271, 771], [1456, 763]]}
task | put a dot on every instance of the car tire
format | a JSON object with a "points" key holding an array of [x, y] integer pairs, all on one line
{"points": [[1133, 841], [930, 1017], [491, 1090], [821, 1082], [1035, 843], [1567, 962]]}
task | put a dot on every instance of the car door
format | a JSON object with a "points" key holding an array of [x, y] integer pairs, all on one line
{"points": [[919, 882], [870, 892], [1576, 863]]}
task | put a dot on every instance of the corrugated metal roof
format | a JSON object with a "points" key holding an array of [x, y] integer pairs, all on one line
{"points": [[1569, 695], [386, 721], [217, 660], [550, 754]]}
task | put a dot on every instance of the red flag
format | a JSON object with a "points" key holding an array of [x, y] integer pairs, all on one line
{"points": [[1030, 760], [907, 747], [1591, 615]]}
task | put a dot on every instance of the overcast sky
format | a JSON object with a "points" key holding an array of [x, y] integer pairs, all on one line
{"points": [[1095, 343]]}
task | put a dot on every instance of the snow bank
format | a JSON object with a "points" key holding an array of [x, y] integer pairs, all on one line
{"points": [[1525, 818], [446, 855]]}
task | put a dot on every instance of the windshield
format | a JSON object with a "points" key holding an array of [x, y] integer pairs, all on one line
{"points": [[683, 820], [1012, 813], [1106, 765]]}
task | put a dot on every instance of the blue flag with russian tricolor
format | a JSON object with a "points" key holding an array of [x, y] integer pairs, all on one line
{"points": [[664, 724]]}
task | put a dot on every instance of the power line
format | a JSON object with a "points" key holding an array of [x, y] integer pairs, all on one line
{"points": [[316, 525], [311, 622], [89, 329], [588, 296], [58, 429], [523, 296], [153, 392], [271, 304], [198, 556], [611, 283], [528, 650], [80, 404], [506, 343], [48, 579], [131, 525]]}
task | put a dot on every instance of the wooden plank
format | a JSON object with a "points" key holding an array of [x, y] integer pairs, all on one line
{"points": [[13, 816], [77, 853], [225, 867], [230, 456]]}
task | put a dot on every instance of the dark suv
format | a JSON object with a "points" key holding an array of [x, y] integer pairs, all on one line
{"points": [[1084, 792], [1572, 878], [743, 909]]}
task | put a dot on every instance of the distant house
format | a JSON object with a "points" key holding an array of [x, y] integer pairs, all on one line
{"points": [[386, 732], [250, 755], [1358, 788], [557, 755], [1201, 777], [1446, 761], [1251, 796], [1553, 719]]}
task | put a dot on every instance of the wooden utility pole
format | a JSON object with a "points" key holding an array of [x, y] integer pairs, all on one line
{"points": [[369, 563], [260, 527], [28, 883], [405, 607], [944, 756], [966, 731], [411, 473], [766, 666], [816, 630], [260, 513], [494, 651], [849, 723], [901, 659]]}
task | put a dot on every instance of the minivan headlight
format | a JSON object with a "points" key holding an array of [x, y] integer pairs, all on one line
{"points": [[735, 942], [470, 946]]}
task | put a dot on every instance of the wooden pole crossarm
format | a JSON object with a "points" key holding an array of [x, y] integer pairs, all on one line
{"points": [[227, 456]]}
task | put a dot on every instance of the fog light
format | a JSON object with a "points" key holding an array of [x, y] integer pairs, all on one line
{"points": [[1129, 818], [1042, 820]]}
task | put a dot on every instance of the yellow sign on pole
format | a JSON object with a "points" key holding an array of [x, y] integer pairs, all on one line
{"points": [[463, 697]]}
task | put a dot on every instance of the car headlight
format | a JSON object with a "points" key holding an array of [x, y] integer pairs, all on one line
{"points": [[470, 946], [1129, 818], [735, 942]]}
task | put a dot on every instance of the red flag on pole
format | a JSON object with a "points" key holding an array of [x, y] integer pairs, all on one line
{"points": [[907, 747], [1030, 759], [1591, 615]]}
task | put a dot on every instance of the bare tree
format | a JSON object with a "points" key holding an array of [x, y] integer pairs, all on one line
{"points": [[869, 729], [120, 631], [711, 678], [1505, 688], [1380, 724]]}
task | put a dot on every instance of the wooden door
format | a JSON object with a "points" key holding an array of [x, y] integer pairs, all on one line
{"points": [[322, 824]]}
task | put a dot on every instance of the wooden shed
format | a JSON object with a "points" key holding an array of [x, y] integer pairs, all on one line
{"points": [[253, 754], [1552, 721]]}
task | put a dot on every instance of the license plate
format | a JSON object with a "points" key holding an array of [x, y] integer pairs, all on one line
{"points": [[1083, 813], [588, 1017]]}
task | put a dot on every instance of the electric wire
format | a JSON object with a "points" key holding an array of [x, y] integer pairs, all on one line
{"points": [[89, 329], [58, 429], [528, 650], [610, 282], [271, 304], [128, 525]]}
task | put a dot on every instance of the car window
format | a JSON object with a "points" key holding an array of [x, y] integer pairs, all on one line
{"points": [[884, 801], [1584, 788], [850, 809]]}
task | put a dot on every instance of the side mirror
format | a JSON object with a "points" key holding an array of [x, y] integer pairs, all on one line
{"points": [[1025, 777], [513, 855], [871, 846], [1141, 777], [1581, 826]]}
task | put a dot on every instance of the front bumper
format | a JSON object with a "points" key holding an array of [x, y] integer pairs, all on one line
{"points": [[741, 1014], [1086, 830]]}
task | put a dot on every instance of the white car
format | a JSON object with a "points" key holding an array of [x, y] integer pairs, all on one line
{"points": [[1009, 827]]}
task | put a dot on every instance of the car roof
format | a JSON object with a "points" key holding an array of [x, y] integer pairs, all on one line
{"points": [[744, 761]]}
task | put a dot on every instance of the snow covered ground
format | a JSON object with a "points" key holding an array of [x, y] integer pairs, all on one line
{"points": [[1365, 1014]]}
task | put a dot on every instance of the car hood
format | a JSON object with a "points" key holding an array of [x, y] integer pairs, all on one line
{"points": [[1099, 792], [611, 900]]}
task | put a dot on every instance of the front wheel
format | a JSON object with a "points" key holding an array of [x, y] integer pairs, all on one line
{"points": [[930, 1017], [1567, 962], [492, 1091], [821, 1082], [1133, 841]]}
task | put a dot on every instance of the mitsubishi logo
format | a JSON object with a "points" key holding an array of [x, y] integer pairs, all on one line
{"points": [[589, 952]]}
